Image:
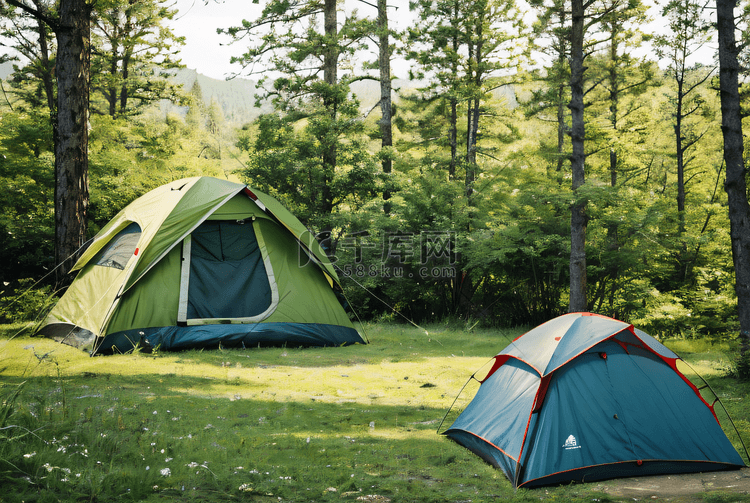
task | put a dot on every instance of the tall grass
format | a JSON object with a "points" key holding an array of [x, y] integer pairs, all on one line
{"points": [[353, 424]]}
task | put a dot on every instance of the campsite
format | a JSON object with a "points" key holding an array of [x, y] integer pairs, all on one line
{"points": [[355, 423], [444, 252]]}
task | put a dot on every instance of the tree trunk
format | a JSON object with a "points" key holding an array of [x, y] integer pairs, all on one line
{"points": [[680, 150], [386, 128], [330, 102], [454, 99], [111, 88], [735, 185], [71, 154], [578, 218], [561, 127], [48, 79]]}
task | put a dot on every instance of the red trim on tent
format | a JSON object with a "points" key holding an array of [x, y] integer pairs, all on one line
{"points": [[249, 193], [625, 345], [541, 393], [499, 362]]}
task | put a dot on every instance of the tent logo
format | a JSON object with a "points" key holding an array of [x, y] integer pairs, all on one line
{"points": [[571, 443]]}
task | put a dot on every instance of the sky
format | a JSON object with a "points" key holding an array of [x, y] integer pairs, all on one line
{"points": [[205, 50], [209, 53]]}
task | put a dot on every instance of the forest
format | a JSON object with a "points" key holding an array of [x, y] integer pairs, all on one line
{"points": [[541, 159]]}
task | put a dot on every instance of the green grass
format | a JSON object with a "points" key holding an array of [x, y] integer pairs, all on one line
{"points": [[343, 424]]}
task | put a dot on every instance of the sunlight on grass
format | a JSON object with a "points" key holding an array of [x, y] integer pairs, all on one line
{"points": [[357, 423]]}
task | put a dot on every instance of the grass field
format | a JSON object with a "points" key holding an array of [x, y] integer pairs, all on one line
{"points": [[356, 423]]}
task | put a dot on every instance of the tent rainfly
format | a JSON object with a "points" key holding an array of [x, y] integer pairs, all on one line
{"points": [[584, 397], [201, 263]]}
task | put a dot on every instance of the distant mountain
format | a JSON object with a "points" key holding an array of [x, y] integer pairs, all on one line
{"points": [[236, 97]]}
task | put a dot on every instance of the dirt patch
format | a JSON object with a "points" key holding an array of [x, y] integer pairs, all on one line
{"points": [[680, 488]]}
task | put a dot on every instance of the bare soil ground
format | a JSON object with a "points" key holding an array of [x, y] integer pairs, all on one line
{"points": [[685, 488]]}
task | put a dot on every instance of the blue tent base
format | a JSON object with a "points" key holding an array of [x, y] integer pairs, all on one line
{"points": [[620, 469], [229, 336]]}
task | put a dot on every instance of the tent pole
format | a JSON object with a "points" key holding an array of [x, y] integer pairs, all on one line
{"points": [[731, 421], [455, 400]]}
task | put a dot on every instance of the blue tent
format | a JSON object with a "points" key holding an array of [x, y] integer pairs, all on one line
{"points": [[584, 397]]}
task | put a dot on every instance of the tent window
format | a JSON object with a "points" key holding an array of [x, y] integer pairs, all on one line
{"points": [[120, 248]]}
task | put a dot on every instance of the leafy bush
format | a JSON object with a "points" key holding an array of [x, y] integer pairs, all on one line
{"points": [[25, 302], [739, 368]]}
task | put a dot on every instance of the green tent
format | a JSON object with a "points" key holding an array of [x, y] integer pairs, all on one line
{"points": [[200, 263]]}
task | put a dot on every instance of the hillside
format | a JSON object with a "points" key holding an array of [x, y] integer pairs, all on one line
{"points": [[236, 97]]}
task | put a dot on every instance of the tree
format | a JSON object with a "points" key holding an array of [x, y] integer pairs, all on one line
{"points": [[623, 81], [381, 36], [578, 218], [385, 122], [554, 95], [308, 90], [71, 25], [132, 49], [688, 32], [30, 37], [466, 51], [735, 185]]}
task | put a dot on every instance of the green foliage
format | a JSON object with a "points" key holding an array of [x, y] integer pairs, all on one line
{"points": [[477, 231], [739, 367], [290, 163], [129, 157], [27, 302], [26, 214], [134, 49]]}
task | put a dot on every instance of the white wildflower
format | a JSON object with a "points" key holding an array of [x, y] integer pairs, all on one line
{"points": [[166, 472]]}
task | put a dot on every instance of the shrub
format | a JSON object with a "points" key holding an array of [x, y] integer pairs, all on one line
{"points": [[26, 302]]}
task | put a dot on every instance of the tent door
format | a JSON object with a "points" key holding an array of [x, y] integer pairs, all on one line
{"points": [[226, 275]]}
